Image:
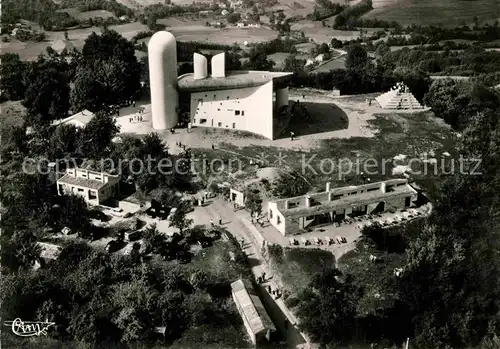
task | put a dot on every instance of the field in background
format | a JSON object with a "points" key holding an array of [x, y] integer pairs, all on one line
{"points": [[81, 16], [30, 50], [438, 12], [320, 33]]}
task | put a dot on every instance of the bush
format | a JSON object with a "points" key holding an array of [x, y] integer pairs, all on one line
{"points": [[290, 185], [291, 302], [276, 253]]}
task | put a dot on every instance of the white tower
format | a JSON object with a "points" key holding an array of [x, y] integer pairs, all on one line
{"points": [[219, 65], [200, 66], [162, 52]]}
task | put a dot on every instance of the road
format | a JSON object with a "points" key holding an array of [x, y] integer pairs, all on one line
{"points": [[232, 221]]}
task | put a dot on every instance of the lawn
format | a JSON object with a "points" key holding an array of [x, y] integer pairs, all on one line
{"points": [[320, 33], [437, 12]]}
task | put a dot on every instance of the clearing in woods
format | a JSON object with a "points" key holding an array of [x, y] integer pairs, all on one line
{"points": [[436, 12]]}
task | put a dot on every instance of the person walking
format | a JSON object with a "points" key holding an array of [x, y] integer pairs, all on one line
{"points": [[291, 136], [211, 222], [133, 103], [213, 147]]}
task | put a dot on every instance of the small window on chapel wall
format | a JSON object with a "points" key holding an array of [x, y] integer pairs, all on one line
{"points": [[236, 112]]}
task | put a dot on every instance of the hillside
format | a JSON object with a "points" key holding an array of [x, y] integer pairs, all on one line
{"points": [[435, 12]]}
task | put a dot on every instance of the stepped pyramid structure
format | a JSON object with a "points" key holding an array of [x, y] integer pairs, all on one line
{"points": [[399, 97]]}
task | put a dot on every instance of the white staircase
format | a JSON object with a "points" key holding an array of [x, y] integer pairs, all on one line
{"points": [[399, 97]]}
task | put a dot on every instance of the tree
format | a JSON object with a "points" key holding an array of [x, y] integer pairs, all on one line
{"points": [[153, 239], [233, 18], [272, 19], [97, 135], [47, 97], [336, 43], [199, 279], [112, 61], [290, 185], [258, 61], [323, 48], [88, 92], [292, 64], [21, 251], [179, 219], [63, 142], [72, 213], [151, 21], [357, 58], [232, 61], [12, 72], [253, 202], [418, 82], [328, 291]]}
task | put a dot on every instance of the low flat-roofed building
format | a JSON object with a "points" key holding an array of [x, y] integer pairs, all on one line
{"points": [[80, 119], [302, 212], [95, 187], [255, 318]]}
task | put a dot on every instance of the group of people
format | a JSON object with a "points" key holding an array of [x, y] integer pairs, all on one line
{"points": [[179, 144], [136, 117]]}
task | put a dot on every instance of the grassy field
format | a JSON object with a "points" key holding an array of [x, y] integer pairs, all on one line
{"points": [[396, 134], [438, 12], [81, 16], [280, 57], [320, 33], [30, 50]]}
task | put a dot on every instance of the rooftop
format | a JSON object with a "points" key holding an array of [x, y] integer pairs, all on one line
{"points": [[79, 119], [232, 80], [320, 202], [252, 307], [81, 182]]}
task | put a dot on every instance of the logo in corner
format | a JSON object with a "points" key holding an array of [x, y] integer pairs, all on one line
{"points": [[29, 328]]}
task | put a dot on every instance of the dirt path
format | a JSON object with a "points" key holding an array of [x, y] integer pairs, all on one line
{"points": [[276, 307]]}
